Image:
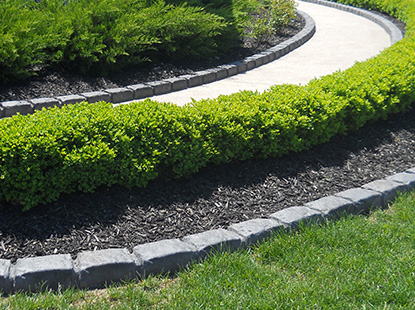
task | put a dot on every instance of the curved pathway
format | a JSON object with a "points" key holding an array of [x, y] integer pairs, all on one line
{"points": [[341, 39]]}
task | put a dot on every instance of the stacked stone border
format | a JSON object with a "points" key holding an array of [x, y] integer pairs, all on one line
{"points": [[95, 269], [144, 90]]}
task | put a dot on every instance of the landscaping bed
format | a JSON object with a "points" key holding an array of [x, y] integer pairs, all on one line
{"points": [[52, 83], [215, 197]]}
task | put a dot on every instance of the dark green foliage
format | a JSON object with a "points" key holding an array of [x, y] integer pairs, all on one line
{"points": [[182, 32], [254, 18], [110, 34], [101, 36], [270, 17], [27, 37]]}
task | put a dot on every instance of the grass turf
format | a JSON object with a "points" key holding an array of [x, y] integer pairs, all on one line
{"points": [[354, 263]]}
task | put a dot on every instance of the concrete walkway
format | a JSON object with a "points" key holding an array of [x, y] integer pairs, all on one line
{"points": [[341, 39]]}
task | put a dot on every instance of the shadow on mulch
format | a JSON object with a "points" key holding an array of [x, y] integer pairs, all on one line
{"points": [[215, 197]]}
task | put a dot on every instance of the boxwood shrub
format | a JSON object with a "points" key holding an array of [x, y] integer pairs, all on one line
{"points": [[83, 146]]}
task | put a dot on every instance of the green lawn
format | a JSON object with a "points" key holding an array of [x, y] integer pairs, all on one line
{"points": [[354, 263]]}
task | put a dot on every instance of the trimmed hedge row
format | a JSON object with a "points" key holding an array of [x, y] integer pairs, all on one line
{"points": [[83, 146]]}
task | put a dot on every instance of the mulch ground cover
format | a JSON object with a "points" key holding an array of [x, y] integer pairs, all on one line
{"points": [[213, 198]]}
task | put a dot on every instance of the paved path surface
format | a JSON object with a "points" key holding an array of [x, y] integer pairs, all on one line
{"points": [[341, 39]]}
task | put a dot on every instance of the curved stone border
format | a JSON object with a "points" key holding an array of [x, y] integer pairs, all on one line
{"points": [[393, 31], [94, 269], [144, 90]]}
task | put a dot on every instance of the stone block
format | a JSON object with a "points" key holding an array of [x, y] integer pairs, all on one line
{"points": [[16, 106], [40, 103], [160, 87], [388, 189], [276, 50], [120, 94], [363, 200], [285, 49], [278, 53], [208, 75], [404, 178], [141, 90], [294, 215], [71, 99], [178, 83], [291, 44], [298, 38], [241, 65], [249, 62], [267, 57], [94, 269], [5, 279], [230, 69], [214, 240], [255, 230], [165, 256], [97, 96], [331, 206], [51, 271], [193, 79], [258, 59], [221, 73]]}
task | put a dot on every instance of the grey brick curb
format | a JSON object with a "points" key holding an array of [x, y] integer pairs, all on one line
{"points": [[393, 31], [95, 269], [140, 91]]}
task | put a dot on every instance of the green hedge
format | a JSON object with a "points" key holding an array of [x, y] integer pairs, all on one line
{"points": [[83, 146], [99, 36], [102, 36]]}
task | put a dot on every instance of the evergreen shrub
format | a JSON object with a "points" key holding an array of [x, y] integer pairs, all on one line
{"points": [[102, 36]]}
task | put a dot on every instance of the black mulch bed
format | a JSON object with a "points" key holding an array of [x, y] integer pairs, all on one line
{"points": [[215, 197], [49, 83]]}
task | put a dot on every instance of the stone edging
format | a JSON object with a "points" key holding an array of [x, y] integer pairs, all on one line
{"points": [[393, 31], [144, 90], [93, 269]]}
